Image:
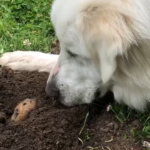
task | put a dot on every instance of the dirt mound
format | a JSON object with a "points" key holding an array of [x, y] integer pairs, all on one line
{"points": [[52, 126]]}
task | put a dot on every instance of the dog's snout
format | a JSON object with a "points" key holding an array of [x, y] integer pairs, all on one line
{"points": [[52, 89]]}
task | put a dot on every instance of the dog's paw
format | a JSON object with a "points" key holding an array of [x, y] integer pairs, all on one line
{"points": [[28, 60]]}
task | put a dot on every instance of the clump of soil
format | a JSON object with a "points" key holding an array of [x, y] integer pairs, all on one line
{"points": [[52, 126]]}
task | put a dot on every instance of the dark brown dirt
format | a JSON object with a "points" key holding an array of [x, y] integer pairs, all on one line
{"points": [[52, 126]]}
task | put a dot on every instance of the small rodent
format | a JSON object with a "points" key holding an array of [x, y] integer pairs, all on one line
{"points": [[23, 109]]}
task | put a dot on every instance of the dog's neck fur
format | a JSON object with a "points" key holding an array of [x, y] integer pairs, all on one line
{"points": [[131, 79], [135, 65]]}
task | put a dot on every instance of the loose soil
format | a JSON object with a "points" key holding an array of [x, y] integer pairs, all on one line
{"points": [[55, 127]]}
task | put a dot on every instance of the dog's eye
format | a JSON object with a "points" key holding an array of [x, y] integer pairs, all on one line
{"points": [[71, 54]]}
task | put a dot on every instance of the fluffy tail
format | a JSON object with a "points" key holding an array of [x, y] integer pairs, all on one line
{"points": [[29, 61]]}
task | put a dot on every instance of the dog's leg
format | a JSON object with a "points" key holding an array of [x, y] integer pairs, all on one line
{"points": [[29, 61]]}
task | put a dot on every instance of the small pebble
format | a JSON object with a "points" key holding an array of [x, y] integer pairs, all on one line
{"points": [[118, 134], [96, 143], [116, 126], [64, 122], [111, 126], [136, 123], [104, 130], [61, 131]]}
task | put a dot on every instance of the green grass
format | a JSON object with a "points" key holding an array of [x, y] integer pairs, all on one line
{"points": [[30, 19], [25, 19], [125, 114]]}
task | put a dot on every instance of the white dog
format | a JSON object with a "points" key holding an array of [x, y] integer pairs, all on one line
{"points": [[105, 45]]}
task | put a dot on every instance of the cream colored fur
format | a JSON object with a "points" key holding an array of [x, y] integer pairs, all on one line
{"points": [[29, 61], [111, 40]]}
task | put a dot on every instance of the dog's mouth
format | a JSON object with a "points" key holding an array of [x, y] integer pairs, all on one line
{"points": [[101, 102]]}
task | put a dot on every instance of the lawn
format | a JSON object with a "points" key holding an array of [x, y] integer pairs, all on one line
{"points": [[25, 25]]}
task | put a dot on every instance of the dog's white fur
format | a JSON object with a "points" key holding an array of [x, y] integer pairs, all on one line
{"points": [[112, 42], [29, 61]]}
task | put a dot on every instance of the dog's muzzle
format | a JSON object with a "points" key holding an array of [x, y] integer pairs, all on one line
{"points": [[52, 89]]}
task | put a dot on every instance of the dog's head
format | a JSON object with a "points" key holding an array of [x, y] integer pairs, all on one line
{"points": [[92, 34]]}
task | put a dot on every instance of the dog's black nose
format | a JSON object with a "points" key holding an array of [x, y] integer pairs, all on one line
{"points": [[52, 89]]}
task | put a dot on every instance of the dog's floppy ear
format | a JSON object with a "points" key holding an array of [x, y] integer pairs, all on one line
{"points": [[107, 60], [107, 32]]}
